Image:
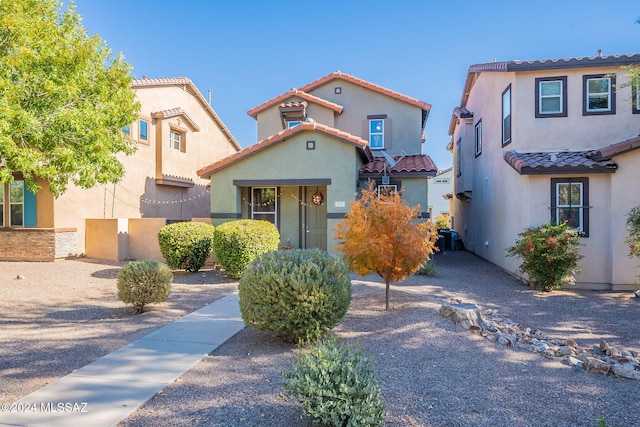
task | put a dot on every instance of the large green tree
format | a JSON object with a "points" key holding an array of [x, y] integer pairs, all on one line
{"points": [[64, 98]]}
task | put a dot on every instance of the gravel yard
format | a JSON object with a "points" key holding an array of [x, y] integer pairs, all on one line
{"points": [[64, 315]]}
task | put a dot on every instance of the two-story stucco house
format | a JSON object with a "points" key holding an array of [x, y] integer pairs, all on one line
{"points": [[318, 146], [549, 140], [176, 131]]}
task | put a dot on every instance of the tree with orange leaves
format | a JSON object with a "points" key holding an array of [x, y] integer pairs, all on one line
{"points": [[382, 234]]}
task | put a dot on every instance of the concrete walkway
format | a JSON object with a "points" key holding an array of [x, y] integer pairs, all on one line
{"points": [[106, 391]]}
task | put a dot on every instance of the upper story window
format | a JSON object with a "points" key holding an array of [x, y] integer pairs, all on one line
{"points": [[569, 202], [598, 94], [126, 131], [293, 123], [506, 116], [177, 140], [458, 157], [478, 138], [143, 130], [376, 134], [635, 100], [551, 97]]}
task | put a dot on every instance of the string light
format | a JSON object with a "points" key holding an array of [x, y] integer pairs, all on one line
{"points": [[279, 196]]}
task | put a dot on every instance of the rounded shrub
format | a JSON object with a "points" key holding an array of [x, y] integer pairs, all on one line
{"points": [[237, 243], [297, 294], [144, 282], [337, 385], [186, 245]]}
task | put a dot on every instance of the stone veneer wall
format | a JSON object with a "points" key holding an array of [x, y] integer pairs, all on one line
{"points": [[36, 244]]}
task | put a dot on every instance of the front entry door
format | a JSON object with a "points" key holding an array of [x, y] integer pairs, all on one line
{"points": [[314, 218]]}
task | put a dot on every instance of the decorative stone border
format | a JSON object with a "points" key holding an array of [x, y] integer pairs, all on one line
{"points": [[603, 359]]}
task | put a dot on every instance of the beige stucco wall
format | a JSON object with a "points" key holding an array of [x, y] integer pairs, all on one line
{"points": [[504, 203], [137, 195]]}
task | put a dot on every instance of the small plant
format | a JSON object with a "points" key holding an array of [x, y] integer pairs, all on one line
{"points": [[427, 269], [298, 294], [442, 222], [238, 243], [337, 385], [633, 231], [186, 245], [550, 255], [602, 422], [144, 282]]}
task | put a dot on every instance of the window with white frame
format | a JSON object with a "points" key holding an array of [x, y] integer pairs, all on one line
{"points": [[387, 190], [598, 94], [478, 138], [506, 116], [569, 203], [143, 130], [264, 204], [635, 89], [376, 134], [16, 204], [551, 97], [293, 123], [177, 140]]}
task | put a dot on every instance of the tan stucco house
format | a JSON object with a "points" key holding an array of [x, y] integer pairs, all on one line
{"points": [[535, 141], [176, 132], [318, 146]]}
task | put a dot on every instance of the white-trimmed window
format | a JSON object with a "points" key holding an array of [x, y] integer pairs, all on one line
{"points": [[569, 202], [293, 123], [506, 116], [387, 189], [143, 130], [376, 134], [16, 204], [635, 89], [177, 140], [264, 204], [598, 94], [478, 138], [551, 97]]}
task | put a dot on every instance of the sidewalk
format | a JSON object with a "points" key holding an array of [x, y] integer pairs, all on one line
{"points": [[109, 389]]}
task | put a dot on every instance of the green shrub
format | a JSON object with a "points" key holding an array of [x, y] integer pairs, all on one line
{"points": [[337, 385], [186, 245], [298, 294], [442, 222], [427, 269], [633, 231], [144, 282], [550, 254], [237, 243]]}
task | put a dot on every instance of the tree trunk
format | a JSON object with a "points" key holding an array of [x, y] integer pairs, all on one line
{"points": [[387, 296]]}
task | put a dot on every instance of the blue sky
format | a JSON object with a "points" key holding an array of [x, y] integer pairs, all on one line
{"points": [[248, 51]]}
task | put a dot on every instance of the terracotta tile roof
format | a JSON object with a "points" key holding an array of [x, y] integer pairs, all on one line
{"points": [[360, 143], [191, 88], [294, 93], [557, 162], [174, 112], [407, 166], [616, 149], [367, 85]]}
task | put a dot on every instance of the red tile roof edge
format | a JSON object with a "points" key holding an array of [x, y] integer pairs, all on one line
{"points": [[368, 85], [174, 112], [206, 171], [291, 93]]}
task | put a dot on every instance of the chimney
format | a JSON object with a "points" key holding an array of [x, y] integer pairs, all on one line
{"points": [[600, 53]]}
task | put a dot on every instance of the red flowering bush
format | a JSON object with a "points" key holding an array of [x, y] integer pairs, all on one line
{"points": [[633, 231], [550, 255]]}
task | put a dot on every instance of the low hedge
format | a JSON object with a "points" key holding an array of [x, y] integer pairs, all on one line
{"points": [[186, 245]]}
